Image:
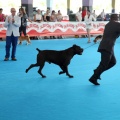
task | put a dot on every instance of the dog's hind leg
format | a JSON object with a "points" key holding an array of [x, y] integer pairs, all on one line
{"points": [[61, 72], [31, 66], [40, 71]]}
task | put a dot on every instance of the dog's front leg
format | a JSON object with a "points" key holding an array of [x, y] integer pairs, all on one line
{"points": [[67, 73], [62, 72]]}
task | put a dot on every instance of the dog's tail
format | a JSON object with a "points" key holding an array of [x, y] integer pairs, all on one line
{"points": [[38, 50]]}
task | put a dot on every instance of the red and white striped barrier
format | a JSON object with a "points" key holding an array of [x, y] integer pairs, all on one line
{"points": [[58, 28]]}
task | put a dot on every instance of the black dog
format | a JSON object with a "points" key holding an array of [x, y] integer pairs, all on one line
{"points": [[99, 37], [61, 58]]}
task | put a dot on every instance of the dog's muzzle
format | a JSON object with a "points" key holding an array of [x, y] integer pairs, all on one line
{"points": [[81, 51]]}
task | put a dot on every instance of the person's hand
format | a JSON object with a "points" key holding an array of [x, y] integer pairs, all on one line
{"points": [[13, 20], [9, 19]]}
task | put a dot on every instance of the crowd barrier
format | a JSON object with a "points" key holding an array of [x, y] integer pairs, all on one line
{"points": [[58, 28]]}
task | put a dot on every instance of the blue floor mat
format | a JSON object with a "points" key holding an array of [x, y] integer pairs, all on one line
{"points": [[57, 97]]}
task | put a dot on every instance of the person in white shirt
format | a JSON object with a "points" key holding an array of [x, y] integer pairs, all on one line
{"points": [[94, 14], [79, 15], [59, 16], [88, 20], [38, 16], [103, 15]]}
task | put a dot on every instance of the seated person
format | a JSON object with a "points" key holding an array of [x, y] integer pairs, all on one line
{"points": [[38, 16]]}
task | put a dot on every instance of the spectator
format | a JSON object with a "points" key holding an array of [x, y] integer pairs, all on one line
{"points": [[2, 16], [88, 20], [84, 13], [38, 16], [59, 19], [103, 15], [79, 15], [94, 14], [59, 16], [12, 23], [53, 18], [24, 18], [47, 16]]}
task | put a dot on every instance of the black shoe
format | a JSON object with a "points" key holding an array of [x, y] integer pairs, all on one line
{"points": [[6, 59], [14, 59], [94, 82], [99, 76]]}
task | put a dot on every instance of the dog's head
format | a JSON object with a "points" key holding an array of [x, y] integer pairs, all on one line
{"points": [[77, 49]]}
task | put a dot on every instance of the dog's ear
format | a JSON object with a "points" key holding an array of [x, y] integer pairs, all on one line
{"points": [[74, 45]]}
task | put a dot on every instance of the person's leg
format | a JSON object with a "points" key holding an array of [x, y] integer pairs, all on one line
{"points": [[20, 30], [104, 65], [112, 62], [7, 47], [14, 45], [88, 33], [24, 30]]}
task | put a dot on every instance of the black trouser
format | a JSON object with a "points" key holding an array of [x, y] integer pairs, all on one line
{"points": [[108, 60], [22, 29]]}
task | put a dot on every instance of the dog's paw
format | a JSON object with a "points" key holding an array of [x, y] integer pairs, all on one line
{"points": [[71, 76], [27, 43], [43, 76], [26, 70], [20, 43], [61, 72]]}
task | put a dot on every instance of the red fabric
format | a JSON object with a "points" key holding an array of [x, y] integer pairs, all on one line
{"points": [[58, 28], [84, 12], [1, 17]]}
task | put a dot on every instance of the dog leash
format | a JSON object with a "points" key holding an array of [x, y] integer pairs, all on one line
{"points": [[90, 46]]}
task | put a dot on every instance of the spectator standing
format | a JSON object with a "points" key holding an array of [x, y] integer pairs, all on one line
{"points": [[84, 13], [24, 18], [12, 23], [79, 15], [88, 20]]}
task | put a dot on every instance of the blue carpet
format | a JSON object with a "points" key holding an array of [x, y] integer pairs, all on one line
{"points": [[57, 97]]}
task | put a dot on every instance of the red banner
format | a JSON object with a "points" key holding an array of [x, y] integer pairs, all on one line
{"points": [[58, 28]]}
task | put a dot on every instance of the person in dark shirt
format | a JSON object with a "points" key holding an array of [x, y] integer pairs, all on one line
{"points": [[106, 48], [24, 18]]}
